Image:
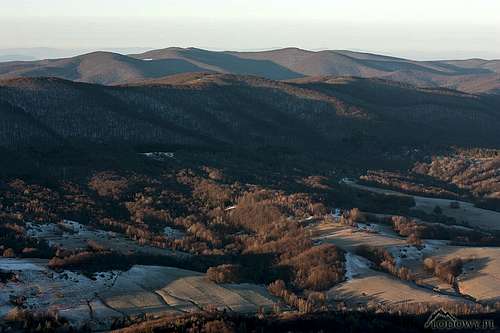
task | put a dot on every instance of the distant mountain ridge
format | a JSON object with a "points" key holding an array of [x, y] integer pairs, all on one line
{"points": [[41, 53], [473, 76], [15, 57]]}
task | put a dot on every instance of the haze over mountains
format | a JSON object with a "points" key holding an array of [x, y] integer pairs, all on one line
{"points": [[472, 76], [41, 53]]}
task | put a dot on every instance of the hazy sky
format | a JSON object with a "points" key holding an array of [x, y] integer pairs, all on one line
{"points": [[420, 29]]}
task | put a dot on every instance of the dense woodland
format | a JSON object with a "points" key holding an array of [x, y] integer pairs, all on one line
{"points": [[476, 171], [462, 174], [213, 111]]}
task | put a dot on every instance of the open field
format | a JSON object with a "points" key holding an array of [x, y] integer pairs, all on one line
{"points": [[72, 235], [379, 289], [467, 212], [481, 275], [480, 278], [114, 295], [365, 285], [349, 238]]}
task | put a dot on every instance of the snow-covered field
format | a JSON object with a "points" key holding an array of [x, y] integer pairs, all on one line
{"points": [[108, 296], [375, 288], [113, 295], [73, 236], [480, 279], [366, 285], [481, 274], [355, 265]]}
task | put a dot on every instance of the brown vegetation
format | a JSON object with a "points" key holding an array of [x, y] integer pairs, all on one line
{"points": [[416, 230], [278, 288], [225, 273], [406, 318], [259, 240], [408, 183], [20, 320], [446, 271], [475, 171], [385, 261], [318, 268]]}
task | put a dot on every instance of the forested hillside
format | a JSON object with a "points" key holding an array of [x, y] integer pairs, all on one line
{"points": [[222, 111]]}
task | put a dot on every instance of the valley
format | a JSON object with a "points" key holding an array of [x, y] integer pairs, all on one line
{"points": [[153, 281], [186, 190]]}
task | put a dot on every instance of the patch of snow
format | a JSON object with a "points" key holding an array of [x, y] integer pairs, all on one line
{"points": [[73, 235], [337, 213], [404, 253], [158, 155], [355, 265], [408, 253], [75, 226], [432, 245], [308, 219], [368, 227], [173, 233], [14, 265], [41, 230], [376, 228], [74, 295]]}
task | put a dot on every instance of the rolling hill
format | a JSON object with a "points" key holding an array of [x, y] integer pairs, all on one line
{"points": [[222, 110], [473, 76]]}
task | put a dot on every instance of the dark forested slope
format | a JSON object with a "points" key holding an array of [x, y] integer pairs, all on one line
{"points": [[241, 111]]}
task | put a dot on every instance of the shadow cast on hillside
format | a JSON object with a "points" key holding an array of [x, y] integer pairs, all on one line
{"points": [[236, 65]]}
